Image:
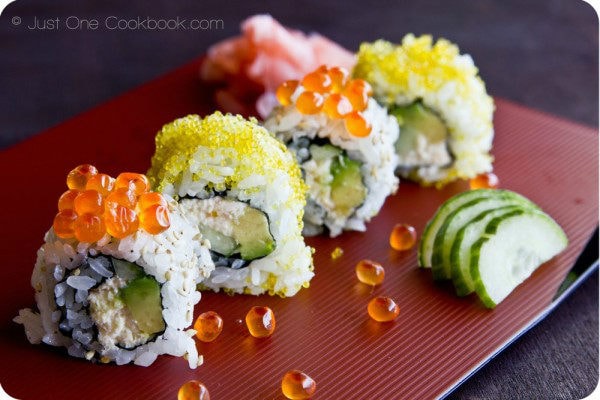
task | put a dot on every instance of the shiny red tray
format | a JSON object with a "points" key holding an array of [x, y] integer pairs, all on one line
{"points": [[437, 340]]}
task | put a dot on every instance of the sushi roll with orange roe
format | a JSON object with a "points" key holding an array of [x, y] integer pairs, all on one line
{"points": [[115, 280], [343, 141]]}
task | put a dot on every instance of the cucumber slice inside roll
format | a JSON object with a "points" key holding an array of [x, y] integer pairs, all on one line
{"points": [[510, 249]]}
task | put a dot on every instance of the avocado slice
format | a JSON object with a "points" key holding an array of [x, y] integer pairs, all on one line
{"points": [[325, 152], [347, 188], [142, 297], [423, 136], [251, 231]]}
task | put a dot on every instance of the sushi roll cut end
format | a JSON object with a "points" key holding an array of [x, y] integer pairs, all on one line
{"points": [[244, 192], [343, 142]]}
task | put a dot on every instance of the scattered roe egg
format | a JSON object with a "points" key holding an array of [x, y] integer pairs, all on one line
{"points": [[383, 309], [403, 237], [120, 221], [89, 228], [309, 102], [337, 253], [285, 91], [296, 385], [89, 202], [487, 180], [208, 326], [370, 272], [260, 322], [336, 106], [121, 196], [339, 78], [101, 183], [78, 177], [64, 224], [318, 81], [155, 219], [65, 201], [193, 390], [138, 183], [357, 125]]}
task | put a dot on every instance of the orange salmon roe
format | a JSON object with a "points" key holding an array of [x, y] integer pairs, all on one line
{"points": [[487, 180], [101, 183], [65, 202], [121, 196], [339, 78], [383, 309], [78, 177], [89, 228], [64, 224], [357, 125], [285, 91], [260, 322], [403, 237], [357, 97], [370, 272], [318, 81], [296, 385], [155, 219], [89, 202], [193, 390], [360, 85], [96, 204], [137, 182], [309, 102], [208, 326], [149, 199], [336, 106], [120, 221]]}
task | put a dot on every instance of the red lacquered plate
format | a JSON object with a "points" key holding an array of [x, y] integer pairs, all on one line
{"points": [[325, 331]]}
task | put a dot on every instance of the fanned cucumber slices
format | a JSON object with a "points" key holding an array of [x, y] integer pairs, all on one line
{"points": [[489, 241]]}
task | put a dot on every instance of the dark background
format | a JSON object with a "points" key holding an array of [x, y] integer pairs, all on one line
{"points": [[540, 53]]}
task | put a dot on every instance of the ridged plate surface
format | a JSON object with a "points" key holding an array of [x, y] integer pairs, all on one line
{"points": [[324, 330]]}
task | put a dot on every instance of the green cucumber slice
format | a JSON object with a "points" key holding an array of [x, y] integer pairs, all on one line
{"points": [[460, 254], [510, 249], [432, 227], [442, 245]]}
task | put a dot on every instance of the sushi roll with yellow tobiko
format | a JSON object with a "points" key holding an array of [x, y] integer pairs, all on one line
{"points": [[115, 280], [344, 143], [244, 192], [440, 103]]}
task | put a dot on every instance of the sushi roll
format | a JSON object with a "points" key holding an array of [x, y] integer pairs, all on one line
{"points": [[344, 143], [115, 280], [244, 192], [440, 103]]}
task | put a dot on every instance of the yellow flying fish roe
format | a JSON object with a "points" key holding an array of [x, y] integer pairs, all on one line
{"points": [[445, 81], [228, 136], [195, 156]]}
